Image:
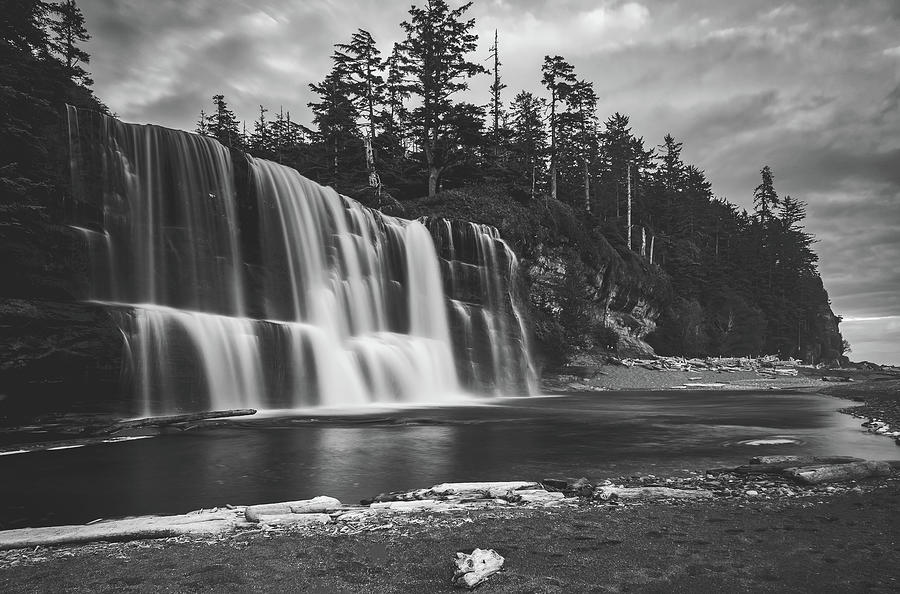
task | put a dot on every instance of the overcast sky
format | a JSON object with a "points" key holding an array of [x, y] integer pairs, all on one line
{"points": [[810, 87]]}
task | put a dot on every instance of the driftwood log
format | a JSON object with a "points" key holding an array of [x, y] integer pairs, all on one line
{"points": [[836, 473], [778, 464], [650, 493], [171, 420], [211, 522]]}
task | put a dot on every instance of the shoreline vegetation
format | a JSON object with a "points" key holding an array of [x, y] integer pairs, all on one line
{"points": [[751, 527]]}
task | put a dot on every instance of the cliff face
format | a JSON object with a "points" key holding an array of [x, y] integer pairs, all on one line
{"points": [[585, 297], [56, 352]]}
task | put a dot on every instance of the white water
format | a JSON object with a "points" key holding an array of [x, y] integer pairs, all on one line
{"points": [[336, 306]]}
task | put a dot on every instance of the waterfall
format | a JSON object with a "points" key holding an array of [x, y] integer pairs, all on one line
{"points": [[244, 284]]}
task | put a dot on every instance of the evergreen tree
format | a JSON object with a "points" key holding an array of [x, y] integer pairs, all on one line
{"points": [[335, 117], [67, 31], [260, 141], [202, 123], [671, 170], [23, 25], [394, 113], [558, 77], [434, 64], [528, 142], [223, 125], [496, 106], [360, 61], [765, 198], [579, 126]]}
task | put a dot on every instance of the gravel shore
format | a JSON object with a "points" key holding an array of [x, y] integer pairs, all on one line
{"points": [[756, 534]]}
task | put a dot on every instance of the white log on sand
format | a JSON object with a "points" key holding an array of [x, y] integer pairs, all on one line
{"points": [[485, 487], [321, 504], [205, 522]]}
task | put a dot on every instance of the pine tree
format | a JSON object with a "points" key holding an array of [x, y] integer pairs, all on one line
{"points": [[528, 141], [261, 139], [223, 125], [558, 77], [335, 117], [23, 25], [434, 65], [67, 31], [765, 198], [360, 61], [496, 107], [203, 123], [580, 123]]}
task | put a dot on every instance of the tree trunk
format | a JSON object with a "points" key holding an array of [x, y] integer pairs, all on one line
{"points": [[629, 206], [553, 146], [587, 186]]}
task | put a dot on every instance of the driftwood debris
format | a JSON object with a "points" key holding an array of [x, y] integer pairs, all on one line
{"points": [[265, 512], [472, 569], [606, 493], [778, 464], [172, 420], [837, 473], [209, 522], [66, 444]]}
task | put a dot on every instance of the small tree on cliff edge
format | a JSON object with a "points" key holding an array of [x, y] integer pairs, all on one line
{"points": [[434, 65]]}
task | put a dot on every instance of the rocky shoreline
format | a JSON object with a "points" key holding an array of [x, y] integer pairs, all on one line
{"points": [[402, 523]]}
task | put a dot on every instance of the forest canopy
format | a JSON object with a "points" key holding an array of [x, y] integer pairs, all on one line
{"points": [[389, 126]]}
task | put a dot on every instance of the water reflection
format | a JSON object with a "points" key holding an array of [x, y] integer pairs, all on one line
{"points": [[597, 435]]}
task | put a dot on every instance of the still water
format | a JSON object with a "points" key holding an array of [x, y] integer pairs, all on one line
{"points": [[596, 435]]}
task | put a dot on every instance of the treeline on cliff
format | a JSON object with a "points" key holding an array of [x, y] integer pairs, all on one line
{"points": [[386, 127], [624, 240]]}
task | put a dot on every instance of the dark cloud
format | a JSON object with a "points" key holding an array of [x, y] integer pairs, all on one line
{"points": [[810, 87]]}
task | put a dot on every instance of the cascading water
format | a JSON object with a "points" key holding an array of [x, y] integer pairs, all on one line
{"points": [[287, 295]]}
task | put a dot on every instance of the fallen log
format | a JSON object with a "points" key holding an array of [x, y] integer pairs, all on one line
{"points": [[838, 473], [171, 420], [804, 460], [295, 519], [650, 493], [65, 444], [487, 487], [316, 505], [214, 522]]}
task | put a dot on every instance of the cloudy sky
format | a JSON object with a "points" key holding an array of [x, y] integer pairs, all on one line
{"points": [[810, 87]]}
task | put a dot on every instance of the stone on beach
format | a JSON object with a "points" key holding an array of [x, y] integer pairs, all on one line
{"points": [[472, 569]]}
